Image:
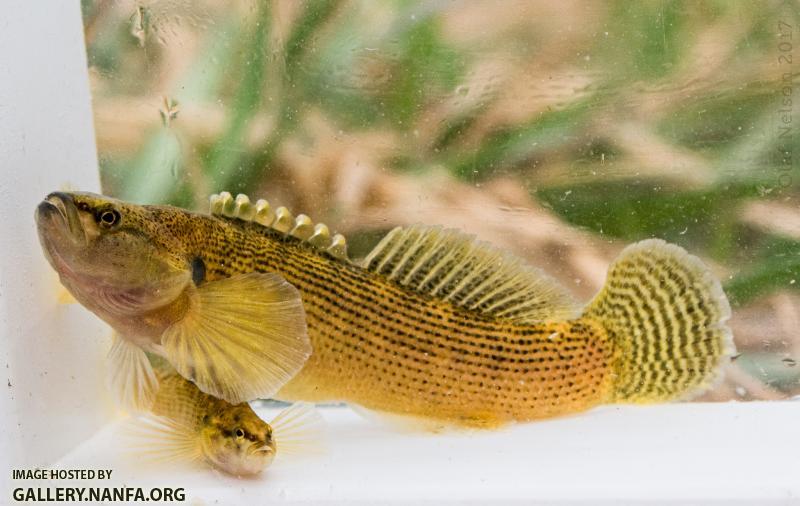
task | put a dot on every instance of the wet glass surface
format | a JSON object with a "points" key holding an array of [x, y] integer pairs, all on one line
{"points": [[559, 133]]}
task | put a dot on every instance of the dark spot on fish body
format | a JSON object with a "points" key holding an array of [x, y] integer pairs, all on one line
{"points": [[198, 271]]}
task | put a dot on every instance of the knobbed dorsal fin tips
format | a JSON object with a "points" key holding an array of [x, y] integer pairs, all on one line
{"points": [[338, 246], [283, 220], [303, 227], [280, 219], [455, 267], [321, 238], [264, 213]]}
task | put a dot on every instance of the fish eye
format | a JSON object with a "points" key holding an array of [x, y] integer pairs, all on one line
{"points": [[109, 217], [239, 433]]}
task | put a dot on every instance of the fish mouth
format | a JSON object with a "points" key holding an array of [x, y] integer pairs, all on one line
{"points": [[265, 449], [59, 210], [262, 450]]}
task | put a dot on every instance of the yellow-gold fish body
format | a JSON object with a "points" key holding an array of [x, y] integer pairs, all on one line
{"points": [[136, 293], [432, 323], [141, 269], [187, 424]]}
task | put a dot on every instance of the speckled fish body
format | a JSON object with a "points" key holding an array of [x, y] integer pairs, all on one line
{"points": [[435, 325]]}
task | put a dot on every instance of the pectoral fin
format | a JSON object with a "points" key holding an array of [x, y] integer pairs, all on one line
{"points": [[298, 430], [161, 439], [131, 376], [242, 337]]}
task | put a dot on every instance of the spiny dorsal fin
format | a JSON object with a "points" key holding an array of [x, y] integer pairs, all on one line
{"points": [[319, 236], [455, 267]]}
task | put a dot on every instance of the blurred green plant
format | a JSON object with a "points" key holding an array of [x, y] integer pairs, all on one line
{"points": [[396, 67]]}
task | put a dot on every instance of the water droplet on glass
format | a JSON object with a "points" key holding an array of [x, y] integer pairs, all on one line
{"points": [[138, 21], [169, 110]]}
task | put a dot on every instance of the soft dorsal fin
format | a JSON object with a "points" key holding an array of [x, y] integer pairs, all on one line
{"points": [[319, 236], [452, 266]]}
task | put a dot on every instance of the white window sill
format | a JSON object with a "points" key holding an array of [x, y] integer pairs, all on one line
{"points": [[676, 454]]}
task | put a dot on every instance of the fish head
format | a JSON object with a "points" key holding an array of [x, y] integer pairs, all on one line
{"points": [[237, 441], [112, 256]]}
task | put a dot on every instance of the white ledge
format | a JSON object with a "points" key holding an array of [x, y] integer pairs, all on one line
{"points": [[680, 453]]}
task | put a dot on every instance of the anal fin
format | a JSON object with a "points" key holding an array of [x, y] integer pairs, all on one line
{"points": [[417, 423]]}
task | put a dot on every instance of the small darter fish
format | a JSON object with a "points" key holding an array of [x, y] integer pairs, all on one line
{"points": [[187, 424], [432, 324]]}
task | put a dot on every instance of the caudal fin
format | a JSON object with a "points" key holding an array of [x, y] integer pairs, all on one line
{"points": [[665, 313]]}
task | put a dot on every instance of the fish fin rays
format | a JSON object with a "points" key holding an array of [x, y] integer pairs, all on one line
{"points": [[242, 337], [666, 314], [130, 376], [298, 430], [401, 423], [161, 439], [420, 424], [281, 220], [471, 274]]}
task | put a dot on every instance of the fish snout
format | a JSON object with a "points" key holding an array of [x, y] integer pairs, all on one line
{"points": [[59, 209], [59, 197], [54, 202]]}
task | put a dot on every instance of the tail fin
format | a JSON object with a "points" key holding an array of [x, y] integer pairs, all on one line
{"points": [[665, 313]]}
